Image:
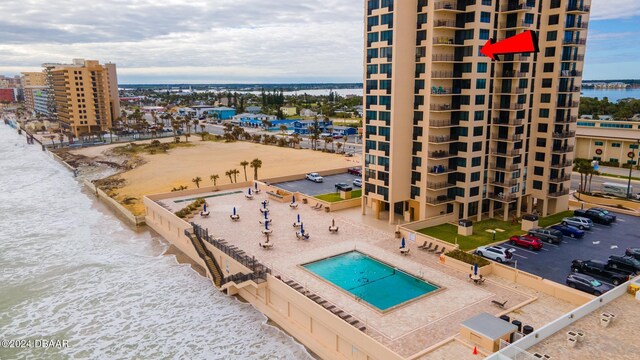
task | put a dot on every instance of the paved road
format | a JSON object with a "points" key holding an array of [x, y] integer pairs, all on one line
{"points": [[597, 181]]}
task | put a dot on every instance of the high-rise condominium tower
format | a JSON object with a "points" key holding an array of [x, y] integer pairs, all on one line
{"points": [[448, 130], [83, 96]]}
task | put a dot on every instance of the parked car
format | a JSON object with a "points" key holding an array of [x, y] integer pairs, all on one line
{"points": [[633, 252], [624, 263], [606, 212], [579, 222], [497, 253], [595, 216], [528, 241], [550, 236], [357, 182], [343, 187], [587, 283], [355, 171], [315, 177], [599, 269], [568, 230]]}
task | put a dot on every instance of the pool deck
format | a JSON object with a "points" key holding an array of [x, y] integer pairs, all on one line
{"points": [[409, 329]]}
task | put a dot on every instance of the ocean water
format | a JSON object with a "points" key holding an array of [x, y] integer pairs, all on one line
{"points": [[70, 271]]}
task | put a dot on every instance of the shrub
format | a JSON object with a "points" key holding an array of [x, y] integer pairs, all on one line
{"points": [[468, 258]]}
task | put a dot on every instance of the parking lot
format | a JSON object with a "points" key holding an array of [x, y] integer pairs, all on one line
{"points": [[313, 189], [553, 262]]}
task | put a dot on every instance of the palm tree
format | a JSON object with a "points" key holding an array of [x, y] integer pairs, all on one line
{"points": [[202, 126], [582, 166], [296, 139], [244, 166], [196, 180], [339, 145], [344, 144], [195, 125], [235, 173], [229, 173], [61, 138], [326, 141], [283, 128], [256, 164], [214, 178]]}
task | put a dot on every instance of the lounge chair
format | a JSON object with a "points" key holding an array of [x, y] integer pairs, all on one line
{"points": [[434, 249], [428, 248], [442, 250], [316, 206], [404, 251], [499, 304], [267, 246], [423, 246], [302, 236]]}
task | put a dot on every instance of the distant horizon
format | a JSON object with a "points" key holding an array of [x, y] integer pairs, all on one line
{"points": [[300, 83]]}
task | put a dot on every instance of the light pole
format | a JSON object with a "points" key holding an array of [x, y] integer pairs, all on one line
{"points": [[631, 155]]}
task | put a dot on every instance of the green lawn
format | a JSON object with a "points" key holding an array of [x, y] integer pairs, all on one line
{"points": [[335, 197], [449, 232]]}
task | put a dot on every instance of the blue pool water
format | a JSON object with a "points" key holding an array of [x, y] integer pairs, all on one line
{"points": [[371, 280]]}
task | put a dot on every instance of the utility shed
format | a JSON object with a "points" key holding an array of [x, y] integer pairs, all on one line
{"points": [[486, 330]]}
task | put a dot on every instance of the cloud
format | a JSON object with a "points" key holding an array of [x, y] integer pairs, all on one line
{"points": [[222, 39], [614, 9]]}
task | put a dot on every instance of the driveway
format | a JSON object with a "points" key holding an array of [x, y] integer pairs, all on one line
{"points": [[310, 188]]}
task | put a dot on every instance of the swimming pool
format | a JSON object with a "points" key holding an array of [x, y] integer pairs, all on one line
{"points": [[377, 283]]}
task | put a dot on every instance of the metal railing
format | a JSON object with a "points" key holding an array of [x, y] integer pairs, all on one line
{"points": [[440, 123], [510, 153], [563, 135], [501, 197], [439, 185], [439, 200], [561, 164], [510, 122], [440, 138], [562, 149], [232, 251], [558, 178], [559, 193], [512, 167]]}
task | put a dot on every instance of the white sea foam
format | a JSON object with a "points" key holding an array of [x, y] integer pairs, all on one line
{"points": [[69, 270]]}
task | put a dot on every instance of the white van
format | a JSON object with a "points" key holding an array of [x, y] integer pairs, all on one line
{"points": [[614, 189]]}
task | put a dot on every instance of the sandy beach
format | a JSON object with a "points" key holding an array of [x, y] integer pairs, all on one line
{"points": [[162, 172]]}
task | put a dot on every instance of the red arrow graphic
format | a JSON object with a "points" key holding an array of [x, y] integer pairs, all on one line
{"points": [[521, 43]]}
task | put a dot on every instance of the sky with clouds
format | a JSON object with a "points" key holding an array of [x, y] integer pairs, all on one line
{"points": [[238, 41]]}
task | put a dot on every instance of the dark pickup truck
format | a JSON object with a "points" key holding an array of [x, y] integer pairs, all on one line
{"points": [[599, 269], [595, 216]]}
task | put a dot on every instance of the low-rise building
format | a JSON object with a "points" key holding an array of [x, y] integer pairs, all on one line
{"points": [[220, 113], [253, 109], [608, 141], [289, 110], [308, 113]]}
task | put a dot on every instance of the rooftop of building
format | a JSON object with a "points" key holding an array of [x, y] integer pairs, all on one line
{"points": [[617, 340], [409, 329]]}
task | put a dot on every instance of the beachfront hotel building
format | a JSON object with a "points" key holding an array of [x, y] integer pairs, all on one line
{"points": [[83, 96], [448, 130], [33, 84]]}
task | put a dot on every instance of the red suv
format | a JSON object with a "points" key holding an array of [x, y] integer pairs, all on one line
{"points": [[528, 241]]}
